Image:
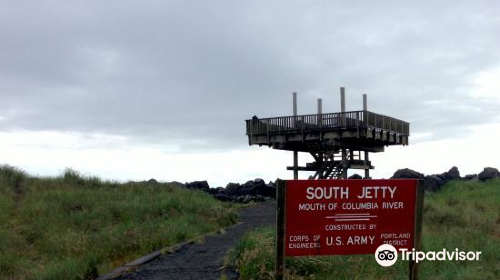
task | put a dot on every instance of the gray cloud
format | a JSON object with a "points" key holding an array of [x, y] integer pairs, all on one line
{"points": [[181, 70]]}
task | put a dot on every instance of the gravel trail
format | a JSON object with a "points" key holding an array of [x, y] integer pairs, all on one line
{"points": [[205, 260]]}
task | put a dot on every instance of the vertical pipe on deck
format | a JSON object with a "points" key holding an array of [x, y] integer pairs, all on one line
{"points": [[320, 111], [342, 107], [342, 99], [344, 150], [365, 102], [320, 124], [295, 152], [295, 104], [365, 108]]}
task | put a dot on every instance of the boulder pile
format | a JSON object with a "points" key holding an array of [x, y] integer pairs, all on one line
{"points": [[436, 181], [251, 191], [488, 173], [257, 190]]}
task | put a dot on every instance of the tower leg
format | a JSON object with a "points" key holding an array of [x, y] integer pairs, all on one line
{"points": [[367, 171], [295, 165], [320, 162], [344, 163]]}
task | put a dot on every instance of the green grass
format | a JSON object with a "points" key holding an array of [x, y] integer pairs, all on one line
{"points": [[463, 215], [77, 227]]}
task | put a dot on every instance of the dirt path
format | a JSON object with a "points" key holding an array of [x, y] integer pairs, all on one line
{"points": [[205, 260]]}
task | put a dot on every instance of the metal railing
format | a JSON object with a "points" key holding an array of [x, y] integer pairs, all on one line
{"points": [[325, 122]]}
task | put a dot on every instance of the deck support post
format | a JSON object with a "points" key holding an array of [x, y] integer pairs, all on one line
{"points": [[344, 163], [367, 171], [295, 165], [320, 162]]}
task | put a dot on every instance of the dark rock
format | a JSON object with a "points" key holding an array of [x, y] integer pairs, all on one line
{"points": [[407, 174], [470, 177], [442, 177], [488, 173], [223, 197], [259, 181], [198, 185], [213, 191], [270, 191], [232, 189], [259, 198], [433, 183], [452, 174], [221, 190], [247, 189], [355, 176], [260, 186], [152, 181], [245, 199], [177, 184]]}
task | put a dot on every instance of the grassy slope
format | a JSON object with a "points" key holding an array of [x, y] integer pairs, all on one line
{"points": [[73, 227], [463, 215]]}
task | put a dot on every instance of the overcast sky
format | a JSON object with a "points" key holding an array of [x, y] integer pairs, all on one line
{"points": [[134, 90]]}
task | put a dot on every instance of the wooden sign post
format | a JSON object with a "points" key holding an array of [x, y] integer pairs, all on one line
{"points": [[346, 217], [419, 214], [280, 228]]}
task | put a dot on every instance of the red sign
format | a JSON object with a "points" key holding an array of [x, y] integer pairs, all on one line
{"points": [[340, 217]]}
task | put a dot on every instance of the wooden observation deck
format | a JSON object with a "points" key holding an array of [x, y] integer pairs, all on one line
{"points": [[337, 141]]}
